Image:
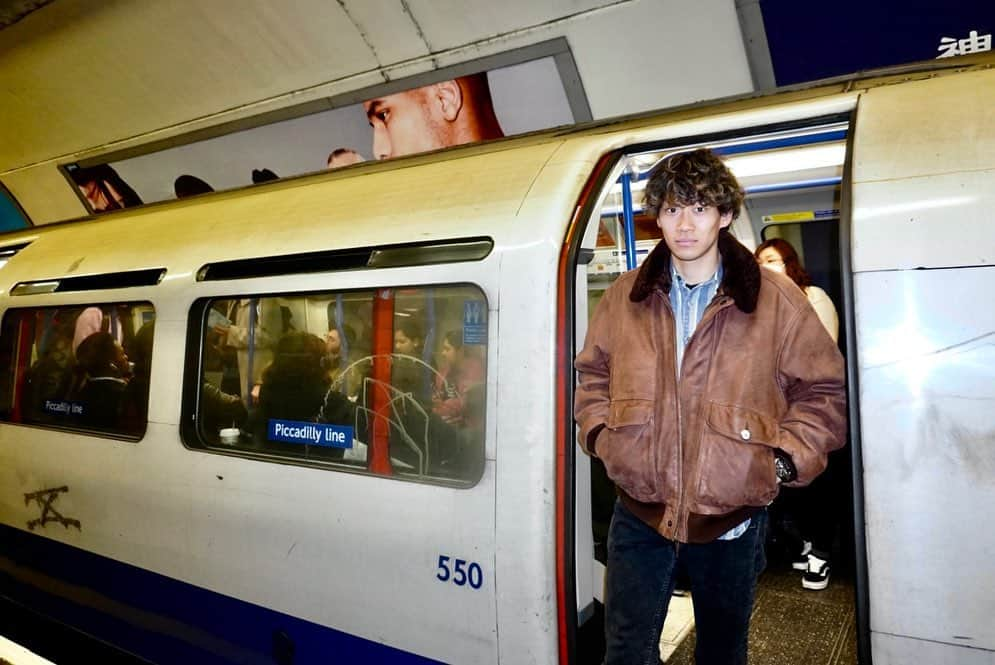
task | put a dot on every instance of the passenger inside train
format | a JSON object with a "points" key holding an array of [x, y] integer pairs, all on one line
{"points": [[322, 395], [792, 195], [84, 368]]}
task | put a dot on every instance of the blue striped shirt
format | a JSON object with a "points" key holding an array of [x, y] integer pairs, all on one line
{"points": [[689, 305]]}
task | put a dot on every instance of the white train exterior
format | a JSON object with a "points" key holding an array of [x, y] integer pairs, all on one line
{"points": [[228, 555]]}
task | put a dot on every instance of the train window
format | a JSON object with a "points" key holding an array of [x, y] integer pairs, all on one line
{"points": [[388, 382], [80, 367]]}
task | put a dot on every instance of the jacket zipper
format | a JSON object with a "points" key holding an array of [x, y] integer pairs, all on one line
{"points": [[717, 303], [680, 427]]}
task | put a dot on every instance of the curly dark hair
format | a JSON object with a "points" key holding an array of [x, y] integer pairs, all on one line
{"points": [[687, 178], [792, 264]]}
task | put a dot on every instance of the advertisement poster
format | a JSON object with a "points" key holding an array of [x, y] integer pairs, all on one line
{"points": [[501, 102]]}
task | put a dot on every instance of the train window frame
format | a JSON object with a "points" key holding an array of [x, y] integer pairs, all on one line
{"points": [[202, 320], [15, 374]]}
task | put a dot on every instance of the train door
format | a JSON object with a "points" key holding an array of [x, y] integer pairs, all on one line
{"points": [[789, 174], [923, 278]]}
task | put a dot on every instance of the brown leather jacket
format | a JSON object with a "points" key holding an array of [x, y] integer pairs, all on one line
{"points": [[694, 456]]}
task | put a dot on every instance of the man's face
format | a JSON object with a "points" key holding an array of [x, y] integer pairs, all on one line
{"points": [[406, 123], [692, 231]]}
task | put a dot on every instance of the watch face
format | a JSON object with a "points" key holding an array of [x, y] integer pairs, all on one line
{"points": [[782, 470]]}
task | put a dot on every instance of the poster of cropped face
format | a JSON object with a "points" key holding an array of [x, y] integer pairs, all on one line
{"points": [[489, 105]]}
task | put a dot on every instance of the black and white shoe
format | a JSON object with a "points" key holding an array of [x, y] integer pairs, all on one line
{"points": [[816, 577], [800, 562]]}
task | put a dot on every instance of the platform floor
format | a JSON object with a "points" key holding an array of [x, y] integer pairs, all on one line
{"points": [[794, 626]]}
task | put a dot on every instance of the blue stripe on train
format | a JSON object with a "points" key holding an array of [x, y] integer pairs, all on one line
{"points": [[165, 620]]}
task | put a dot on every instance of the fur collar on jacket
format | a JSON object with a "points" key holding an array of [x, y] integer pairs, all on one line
{"points": [[740, 281]]}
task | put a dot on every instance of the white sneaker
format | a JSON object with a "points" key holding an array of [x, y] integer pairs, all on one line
{"points": [[816, 577]]}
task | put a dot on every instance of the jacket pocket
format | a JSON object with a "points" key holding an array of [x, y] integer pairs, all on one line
{"points": [[626, 447], [736, 459]]}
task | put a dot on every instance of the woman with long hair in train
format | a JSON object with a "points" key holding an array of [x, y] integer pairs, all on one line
{"points": [[778, 255], [811, 507], [294, 385]]}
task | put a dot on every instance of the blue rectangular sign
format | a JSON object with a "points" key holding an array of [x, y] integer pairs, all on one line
{"points": [[311, 434], [474, 322]]}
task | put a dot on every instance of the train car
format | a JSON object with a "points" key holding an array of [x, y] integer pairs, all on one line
{"points": [[222, 440]]}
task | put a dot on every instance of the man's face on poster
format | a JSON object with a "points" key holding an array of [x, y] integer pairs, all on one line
{"points": [[407, 122]]}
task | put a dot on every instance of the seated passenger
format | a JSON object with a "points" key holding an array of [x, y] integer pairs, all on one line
{"points": [[219, 410], [105, 370], [339, 358], [50, 378], [94, 319], [293, 386], [459, 372]]}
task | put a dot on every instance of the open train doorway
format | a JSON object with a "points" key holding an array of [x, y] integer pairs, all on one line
{"points": [[794, 184]]}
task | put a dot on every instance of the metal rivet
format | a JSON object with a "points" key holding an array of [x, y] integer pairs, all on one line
{"points": [[745, 434]]}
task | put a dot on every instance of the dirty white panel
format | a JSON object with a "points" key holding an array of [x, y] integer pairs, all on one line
{"points": [[926, 127], [896, 650], [930, 221], [926, 342]]}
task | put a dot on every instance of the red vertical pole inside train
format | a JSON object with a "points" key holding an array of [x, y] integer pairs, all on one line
{"points": [[22, 360], [383, 346]]}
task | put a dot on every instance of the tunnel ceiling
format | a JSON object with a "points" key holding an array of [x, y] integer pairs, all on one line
{"points": [[80, 77]]}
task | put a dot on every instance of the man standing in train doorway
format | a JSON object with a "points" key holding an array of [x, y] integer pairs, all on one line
{"points": [[434, 116], [704, 384]]}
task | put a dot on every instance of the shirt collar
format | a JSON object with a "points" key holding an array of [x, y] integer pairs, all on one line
{"points": [[675, 277]]}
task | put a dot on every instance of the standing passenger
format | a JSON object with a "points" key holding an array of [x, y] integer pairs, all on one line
{"points": [[704, 383], [814, 508], [255, 325]]}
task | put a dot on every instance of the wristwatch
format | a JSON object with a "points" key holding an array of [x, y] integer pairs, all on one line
{"points": [[784, 468]]}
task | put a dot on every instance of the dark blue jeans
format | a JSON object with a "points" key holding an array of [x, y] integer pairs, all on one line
{"points": [[642, 566]]}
